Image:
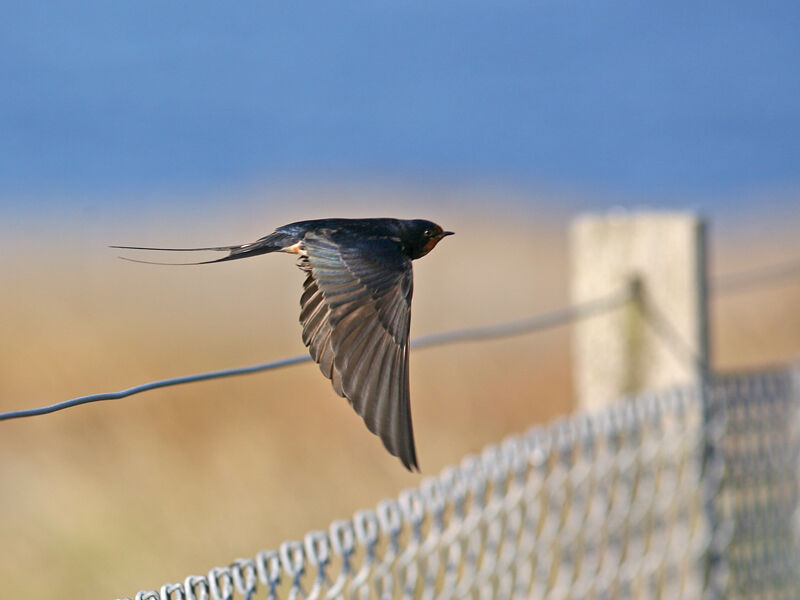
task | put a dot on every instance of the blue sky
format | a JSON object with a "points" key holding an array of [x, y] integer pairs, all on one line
{"points": [[644, 99]]}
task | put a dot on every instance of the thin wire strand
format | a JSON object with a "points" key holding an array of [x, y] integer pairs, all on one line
{"points": [[666, 331], [562, 316], [733, 282], [501, 330], [153, 385], [757, 277]]}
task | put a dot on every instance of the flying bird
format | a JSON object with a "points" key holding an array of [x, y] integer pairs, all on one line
{"points": [[355, 309]]}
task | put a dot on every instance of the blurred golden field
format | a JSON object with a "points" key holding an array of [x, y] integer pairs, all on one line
{"points": [[103, 500]]}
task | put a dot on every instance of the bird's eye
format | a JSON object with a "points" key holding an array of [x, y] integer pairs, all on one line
{"points": [[427, 233]]}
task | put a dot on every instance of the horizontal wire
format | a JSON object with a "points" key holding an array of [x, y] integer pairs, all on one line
{"points": [[561, 316], [757, 277], [725, 284], [518, 327], [153, 385]]}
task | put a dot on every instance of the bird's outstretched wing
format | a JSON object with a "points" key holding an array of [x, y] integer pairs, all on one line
{"points": [[356, 314]]}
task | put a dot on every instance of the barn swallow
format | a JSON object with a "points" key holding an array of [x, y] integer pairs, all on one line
{"points": [[355, 309]]}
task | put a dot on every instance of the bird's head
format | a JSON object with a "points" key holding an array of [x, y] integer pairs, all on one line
{"points": [[421, 237]]}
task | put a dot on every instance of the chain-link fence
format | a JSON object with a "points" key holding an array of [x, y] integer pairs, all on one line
{"points": [[683, 494], [758, 521]]}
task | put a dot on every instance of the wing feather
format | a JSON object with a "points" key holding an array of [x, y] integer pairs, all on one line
{"points": [[316, 329], [355, 312]]}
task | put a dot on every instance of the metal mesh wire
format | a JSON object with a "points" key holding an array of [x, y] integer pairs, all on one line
{"points": [[758, 502], [682, 494]]}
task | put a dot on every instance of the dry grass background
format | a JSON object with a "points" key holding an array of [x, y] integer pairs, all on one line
{"points": [[103, 500]]}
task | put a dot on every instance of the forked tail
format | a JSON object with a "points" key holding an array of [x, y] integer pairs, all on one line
{"points": [[271, 243]]}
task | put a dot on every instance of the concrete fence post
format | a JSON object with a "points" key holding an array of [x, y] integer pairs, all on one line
{"points": [[660, 338]]}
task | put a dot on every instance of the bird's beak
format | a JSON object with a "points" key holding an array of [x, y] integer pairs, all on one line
{"points": [[446, 233]]}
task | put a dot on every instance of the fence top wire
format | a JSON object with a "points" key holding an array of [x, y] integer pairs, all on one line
{"points": [[511, 328], [757, 276], [729, 283]]}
